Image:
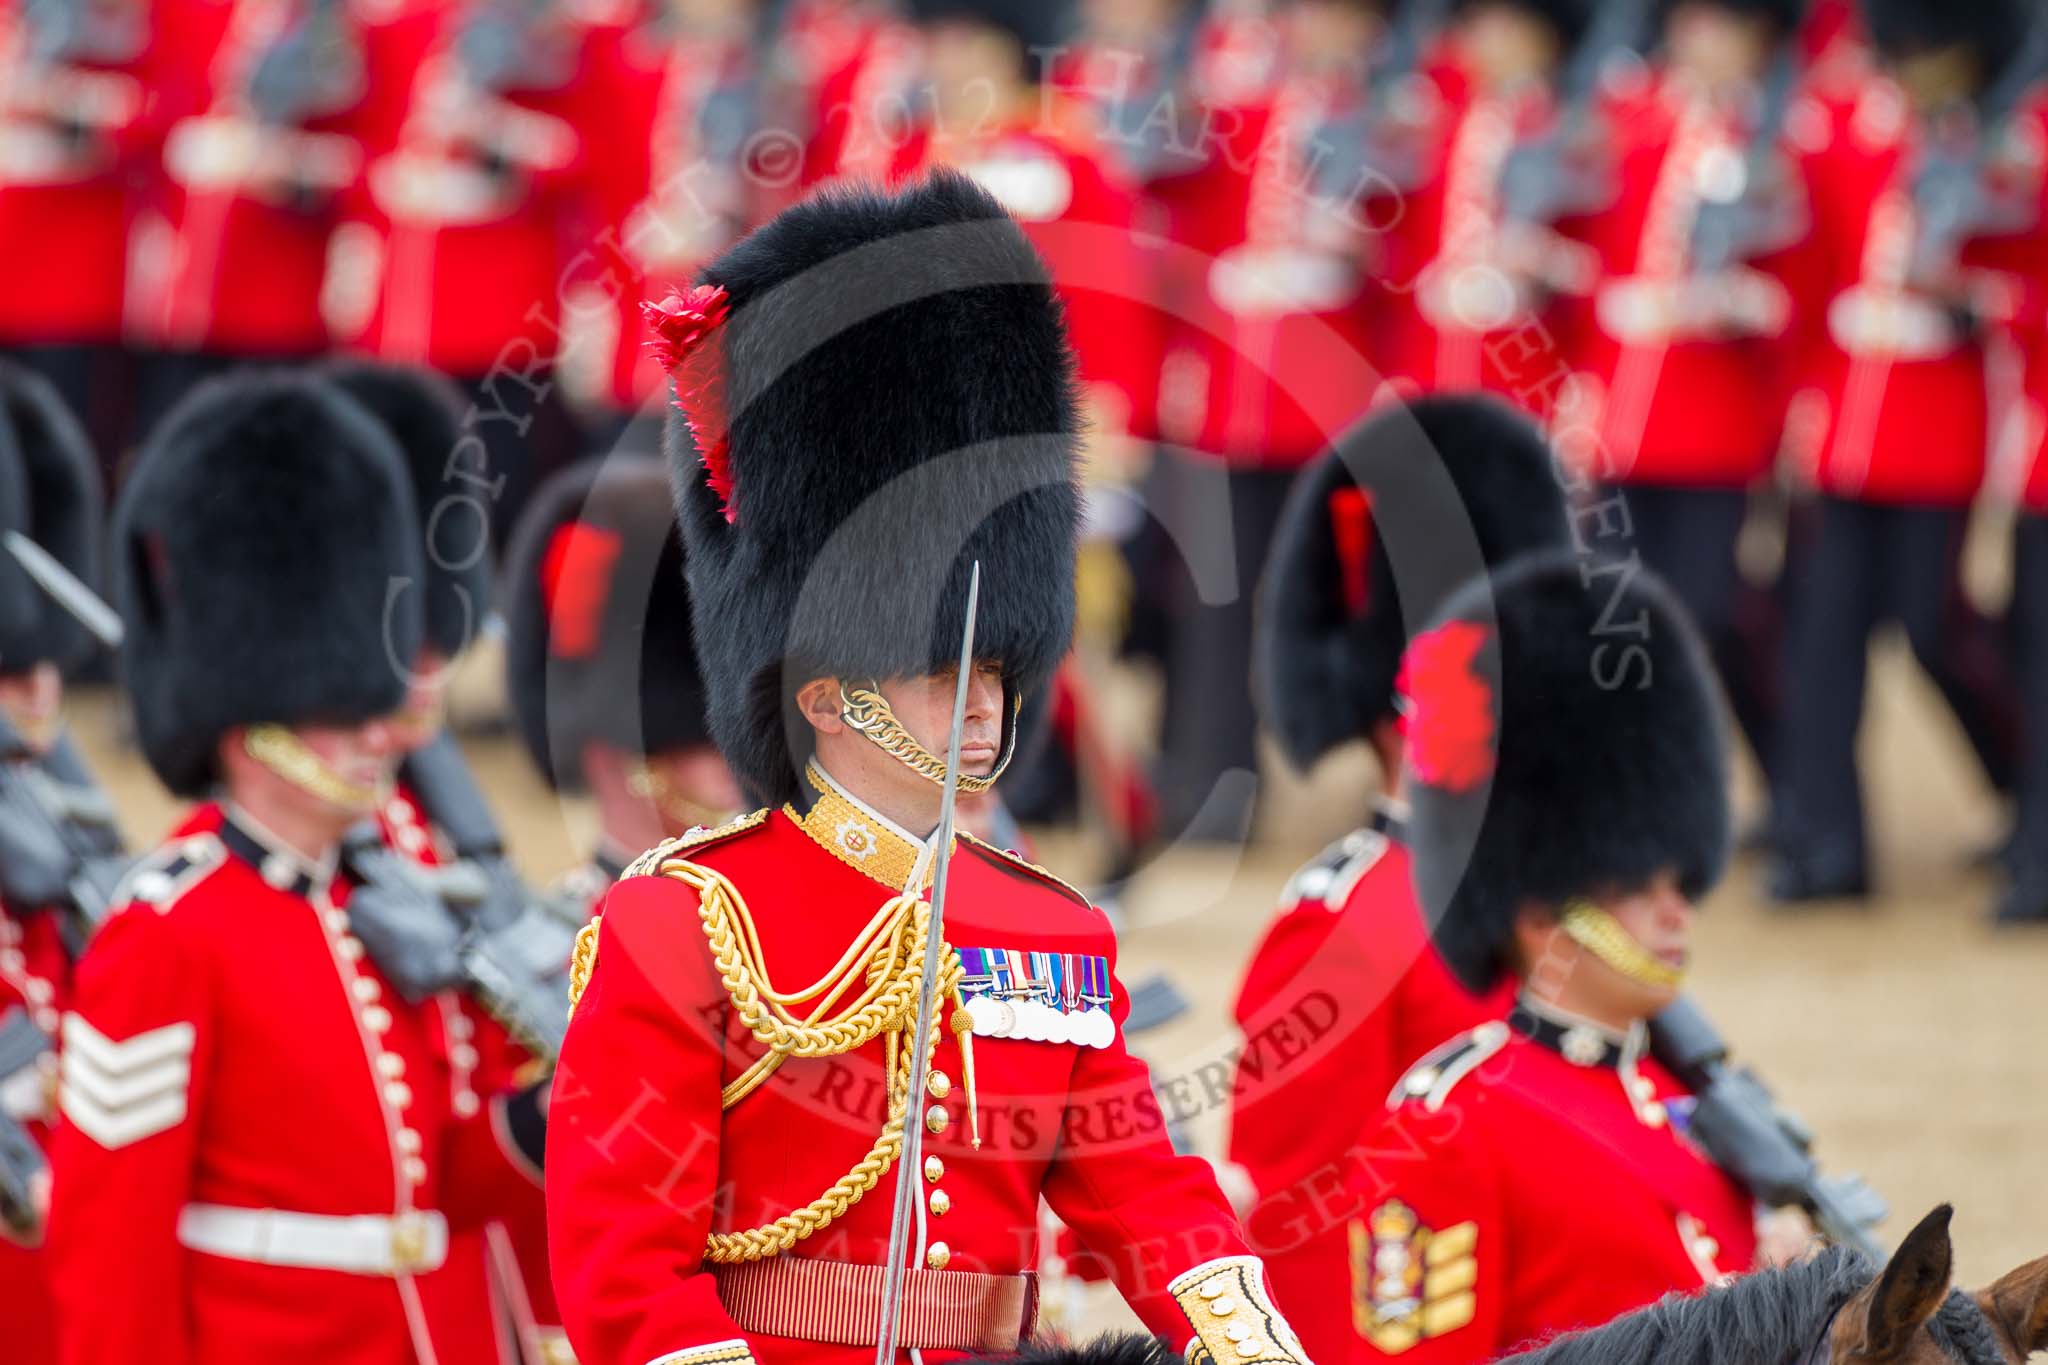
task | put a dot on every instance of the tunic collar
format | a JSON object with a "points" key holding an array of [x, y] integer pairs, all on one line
{"points": [[862, 837]]}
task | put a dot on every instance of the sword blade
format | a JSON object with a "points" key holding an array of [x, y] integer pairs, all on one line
{"points": [[909, 1163], [66, 589]]}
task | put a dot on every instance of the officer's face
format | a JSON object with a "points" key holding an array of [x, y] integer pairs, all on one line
{"points": [[426, 699], [363, 755], [1939, 77], [1505, 45], [1714, 46], [33, 702], [1660, 918], [924, 706]]}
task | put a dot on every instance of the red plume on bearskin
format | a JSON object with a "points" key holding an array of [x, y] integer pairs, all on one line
{"points": [[575, 584], [685, 342], [1447, 708]]}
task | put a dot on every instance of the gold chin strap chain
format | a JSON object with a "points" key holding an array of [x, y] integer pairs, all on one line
{"points": [[1601, 934], [285, 754], [884, 961], [867, 711]]}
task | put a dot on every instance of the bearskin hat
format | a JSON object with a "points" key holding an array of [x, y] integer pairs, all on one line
{"points": [[423, 413], [1564, 739], [877, 393], [599, 645], [62, 512], [1900, 28], [1035, 24], [1455, 484], [256, 546]]}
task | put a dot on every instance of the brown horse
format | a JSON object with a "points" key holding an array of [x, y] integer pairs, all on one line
{"points": [[1833, 1308]]}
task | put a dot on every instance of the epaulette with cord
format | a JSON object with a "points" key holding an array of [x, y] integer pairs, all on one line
{"points": [[1430, 1081], [881, 973], [161, 878], [1326, 879]]}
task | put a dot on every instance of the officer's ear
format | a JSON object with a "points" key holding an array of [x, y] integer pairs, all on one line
{"points": [[2019, 1304], [817, 701]]}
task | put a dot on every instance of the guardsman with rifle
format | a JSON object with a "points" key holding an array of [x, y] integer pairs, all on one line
{"points": [[488, 178], [877, 397], [1923, 161], [1479, 151], [1691, 330], [1270, 351], [59, 849], [679, 182], [256, 1137], [1344, 990], [1568, 782], [82, 91]]}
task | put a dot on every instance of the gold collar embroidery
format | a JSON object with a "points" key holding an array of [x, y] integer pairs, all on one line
{"points": [[862, 838]]}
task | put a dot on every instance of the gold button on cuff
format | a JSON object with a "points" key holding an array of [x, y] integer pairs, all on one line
{"points": [[936, 1257], [1223, 1306], [941, 1203], [933, 1168], [940, 1084], [936, 1118]]}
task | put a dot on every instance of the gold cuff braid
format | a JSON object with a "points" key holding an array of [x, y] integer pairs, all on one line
{"points": [[867, 711], [1235, 1323], [734, 1352]]}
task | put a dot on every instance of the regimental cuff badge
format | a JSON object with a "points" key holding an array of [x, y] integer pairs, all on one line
{"points": [[1044, 997], [1410, 1282]]}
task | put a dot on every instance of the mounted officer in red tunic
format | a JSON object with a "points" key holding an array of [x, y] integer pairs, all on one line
{"points": [[878, 393]]}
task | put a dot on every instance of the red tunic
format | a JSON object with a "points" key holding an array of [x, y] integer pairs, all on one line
{"points": [[231, 1051], [477, 238], [1508, 1194], [35, 976], [1690, 370], [1462, 315], [1269, 271], [249, 260], [1895, 407], [642, 1165], [64, 201], [1342, 995]]}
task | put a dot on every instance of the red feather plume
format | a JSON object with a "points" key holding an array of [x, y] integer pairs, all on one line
{"points": [[1446, 709], [685, 326]]}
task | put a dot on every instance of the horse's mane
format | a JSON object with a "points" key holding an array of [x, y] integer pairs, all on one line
{"points": [[1769, 1318]]}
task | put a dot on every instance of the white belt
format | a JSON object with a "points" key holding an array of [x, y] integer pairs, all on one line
{"points": [[361, 1244]]}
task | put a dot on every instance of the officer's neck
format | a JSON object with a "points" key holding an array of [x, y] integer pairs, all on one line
{"points": [[904, 798], [288, 817], [1566, 994]]}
